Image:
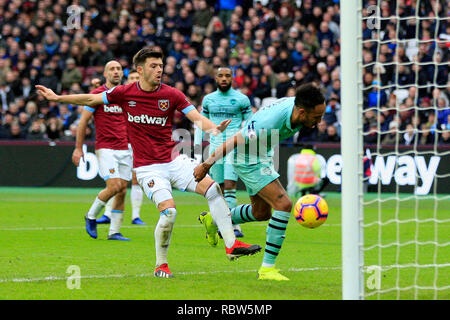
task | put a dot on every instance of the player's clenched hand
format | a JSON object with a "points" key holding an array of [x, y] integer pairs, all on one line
{"points": [[76, 156], [221, 127], [200, 171], [47, 93]]}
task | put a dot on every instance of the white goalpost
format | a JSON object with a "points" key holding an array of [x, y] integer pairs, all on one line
{"points": [[351, 148], [395, 240]]}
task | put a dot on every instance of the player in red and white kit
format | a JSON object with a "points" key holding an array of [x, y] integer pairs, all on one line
{"points": [[149, 107], [136, 194], [114, 157]]}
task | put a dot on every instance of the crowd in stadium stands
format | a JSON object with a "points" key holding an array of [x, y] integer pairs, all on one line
{"points": [[271, 46]]}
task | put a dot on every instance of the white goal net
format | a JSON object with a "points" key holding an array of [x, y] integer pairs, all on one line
{"points": [[404, 223]]}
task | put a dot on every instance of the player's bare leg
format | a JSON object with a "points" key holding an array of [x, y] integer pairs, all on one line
{"points": [[220, 217]]}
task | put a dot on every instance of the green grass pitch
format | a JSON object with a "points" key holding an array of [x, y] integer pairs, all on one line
{"points": [[42, 234]]}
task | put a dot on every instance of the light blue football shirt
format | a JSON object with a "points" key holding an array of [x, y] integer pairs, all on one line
{"points": [[219, 106], [270, 125]]}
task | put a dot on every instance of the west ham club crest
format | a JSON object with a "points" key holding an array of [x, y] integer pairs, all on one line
{"points": [[163, 104]]}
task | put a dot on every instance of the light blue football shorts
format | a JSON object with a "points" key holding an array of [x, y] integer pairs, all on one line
{"points": [[256, 176]]}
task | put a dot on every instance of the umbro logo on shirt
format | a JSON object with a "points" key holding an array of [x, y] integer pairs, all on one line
{"points": [[132, 103]]}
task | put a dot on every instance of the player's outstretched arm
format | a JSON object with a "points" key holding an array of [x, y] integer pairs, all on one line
{"points": [[78, 99], [205, 124], [202, 169]]}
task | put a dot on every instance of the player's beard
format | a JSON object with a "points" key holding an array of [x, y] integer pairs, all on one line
{"points": [[115, 82], [224, 88]]}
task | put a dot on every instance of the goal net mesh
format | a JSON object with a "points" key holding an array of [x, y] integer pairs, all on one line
{"points": [[406, 128]]}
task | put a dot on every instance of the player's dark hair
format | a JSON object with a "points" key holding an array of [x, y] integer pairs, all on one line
{"points": [[132, 71], [308, 96], [147, 52]]}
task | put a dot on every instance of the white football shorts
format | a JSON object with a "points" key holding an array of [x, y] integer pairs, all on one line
{"points": [[115, 163], [179, 174]]}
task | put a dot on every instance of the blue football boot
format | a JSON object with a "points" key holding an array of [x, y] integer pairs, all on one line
{"points": [[103, 220], [138, 221], [118, 236], [91, 227]]}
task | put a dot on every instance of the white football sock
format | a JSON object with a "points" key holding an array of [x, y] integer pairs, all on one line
{"points": [[220, 214], [95, 209], [136, 196], [163, 234], [108, 207], [116, 221]]}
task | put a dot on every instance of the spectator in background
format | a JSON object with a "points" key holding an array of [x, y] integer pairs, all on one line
{"points": [[36, 131], [283, 85], [24, 122], [410, 136], [377, 97], [71, 74], [70, 134], [320, 134], [445, 137], [49, 79], [332, 134], [15, 133], [54, 128], [244, 34]]}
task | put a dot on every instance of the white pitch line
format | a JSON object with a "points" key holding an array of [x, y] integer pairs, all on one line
{"points": [[136, 227], [149, 275]]}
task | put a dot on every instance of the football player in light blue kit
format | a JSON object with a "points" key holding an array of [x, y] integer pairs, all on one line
{"points": [[254, 166], [225, 103]]}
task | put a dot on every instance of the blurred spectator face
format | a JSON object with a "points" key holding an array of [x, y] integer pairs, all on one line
{"points": [[331, 61], [31, 108], [263, 60], [410, 129], [283, 77], [331, 131], [15, 129], [189, 78], [267, 70], [8, 119], [23, 117], [324, 26], [208, 52], [290, 92], [73, 130], [208, 88], [337, 84], [200, 70], [322, 126], [13, 108], [192, 90], [441, 103], [321, 68], [272, 52], [36, 126]]}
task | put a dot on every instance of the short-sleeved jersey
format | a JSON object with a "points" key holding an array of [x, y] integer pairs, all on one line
{"points": [[149, 116], [110, 125], [270, 125], [219, 106]]}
